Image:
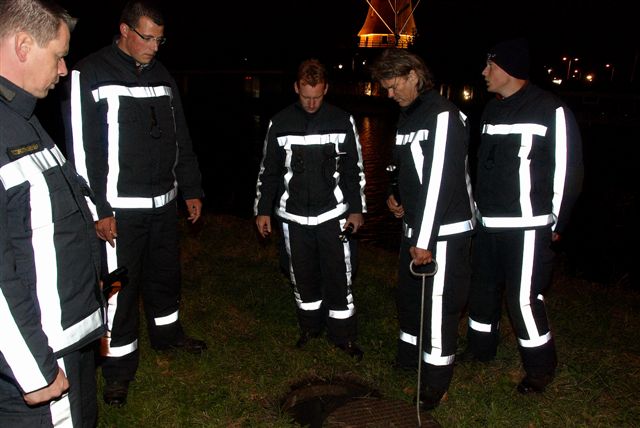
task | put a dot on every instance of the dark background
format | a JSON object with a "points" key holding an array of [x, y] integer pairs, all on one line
{"points": [[453, 36], [214, 45]]}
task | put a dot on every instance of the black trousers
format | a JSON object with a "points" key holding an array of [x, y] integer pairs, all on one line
{"points": [[321, 268], [444, 299], [77, 408], [518, 263], [148, 246]]}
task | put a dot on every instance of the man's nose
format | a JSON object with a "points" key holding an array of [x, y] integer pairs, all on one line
{"points": [[62, 67]]}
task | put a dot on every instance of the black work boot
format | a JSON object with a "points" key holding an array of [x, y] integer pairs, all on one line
{"points": [[115, 392], [534, 384], [305, 337], [430, 397], [186, 344], [351, 349]]}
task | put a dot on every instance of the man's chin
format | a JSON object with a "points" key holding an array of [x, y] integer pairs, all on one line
{"points": [[41, 94]]}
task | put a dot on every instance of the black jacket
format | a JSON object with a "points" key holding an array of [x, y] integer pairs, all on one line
{"points": [[130, 137], [312, 169], [530, 167], [431, 156], [50, 302]]}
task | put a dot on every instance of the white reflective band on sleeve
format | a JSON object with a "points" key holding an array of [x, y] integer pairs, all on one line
{"points": [[155, 202], [362, 181], [167, 319], [437, 360], [60, 408], [16, 352], [343, 315], [478, 326], [512, 222], [536, 341], [116, 351], [408, 338], [560, 171]]}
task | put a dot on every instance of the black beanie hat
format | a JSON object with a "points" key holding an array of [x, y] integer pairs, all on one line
{"points": [[512, 56]]}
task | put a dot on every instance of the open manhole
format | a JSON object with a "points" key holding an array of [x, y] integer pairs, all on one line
{"points": [[346, 402]]}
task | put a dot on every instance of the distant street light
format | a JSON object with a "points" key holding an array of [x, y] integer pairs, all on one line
{"points": [[570, 60], [610, 66]]}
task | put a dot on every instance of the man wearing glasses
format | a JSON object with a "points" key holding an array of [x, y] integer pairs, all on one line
{"points": [[131, 142]]}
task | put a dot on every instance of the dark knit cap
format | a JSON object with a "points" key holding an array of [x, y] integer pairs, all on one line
{"points": [[512, 56]]}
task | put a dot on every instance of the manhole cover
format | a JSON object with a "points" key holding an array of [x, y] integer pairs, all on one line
{"points": [[378, 413], [346, 402]]}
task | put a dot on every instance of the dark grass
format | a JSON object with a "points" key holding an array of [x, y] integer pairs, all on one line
{"points": [[235, 298]]}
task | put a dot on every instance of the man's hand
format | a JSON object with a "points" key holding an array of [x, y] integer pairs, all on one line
{"points": [[420, 256], [106, 230], [195, 209], [55, 390], [355, 220], [396, 209], [263, 222]]}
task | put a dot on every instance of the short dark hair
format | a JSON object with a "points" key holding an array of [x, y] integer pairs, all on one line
{"points": [[397, 62], [40, 18], [136, 9], [312, 72]]}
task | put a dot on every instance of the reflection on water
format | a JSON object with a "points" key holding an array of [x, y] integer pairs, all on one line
{"points": [[377, 138]]}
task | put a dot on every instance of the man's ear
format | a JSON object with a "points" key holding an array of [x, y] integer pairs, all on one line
{"points": [[295, 88], [23, 45], [124, 30]]}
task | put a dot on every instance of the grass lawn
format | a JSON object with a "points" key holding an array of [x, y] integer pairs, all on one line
{"points": [[236, 299]]}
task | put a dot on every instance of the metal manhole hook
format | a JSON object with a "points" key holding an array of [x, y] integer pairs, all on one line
{"points": [[424, 274]]}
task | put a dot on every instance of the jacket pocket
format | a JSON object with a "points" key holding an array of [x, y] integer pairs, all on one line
{"points": [[51, 199]]}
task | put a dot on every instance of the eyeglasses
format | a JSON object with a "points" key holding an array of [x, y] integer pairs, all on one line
{"points": [[158, 40]]}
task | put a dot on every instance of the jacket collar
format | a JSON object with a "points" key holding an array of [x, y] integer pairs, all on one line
{"points": [[406, 111], [17, 98]]}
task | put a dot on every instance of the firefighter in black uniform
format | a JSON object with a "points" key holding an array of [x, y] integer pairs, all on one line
{"points": [[529, 175], [130, 140], [312, 176], [50, 301], [434, 200]]}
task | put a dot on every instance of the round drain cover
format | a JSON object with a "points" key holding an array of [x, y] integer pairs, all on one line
{"points": [[368, 412], [346, 402]]}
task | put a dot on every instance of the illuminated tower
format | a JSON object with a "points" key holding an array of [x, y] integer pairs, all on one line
{"points": [[389, 23]]}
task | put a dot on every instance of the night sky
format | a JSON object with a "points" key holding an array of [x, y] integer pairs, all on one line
{"points": [[453, 35]]}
